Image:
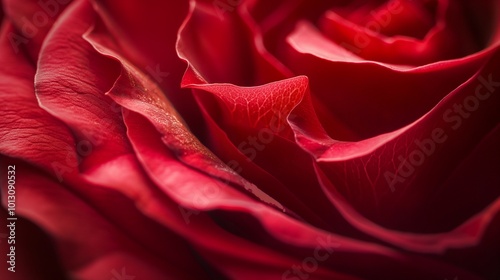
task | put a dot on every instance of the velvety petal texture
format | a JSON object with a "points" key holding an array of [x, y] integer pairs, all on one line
{"points": [[223, 139]]}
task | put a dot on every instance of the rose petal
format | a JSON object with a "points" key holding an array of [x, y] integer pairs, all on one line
{"points": [[148, 109], [373, 106], [147, 38], [367, 41], [145, 97], [283, 228], [47, 148], [33, 20], [222, 52], [90, 246], [98, 162], [70, 83], [37, 137], [363, 170]]}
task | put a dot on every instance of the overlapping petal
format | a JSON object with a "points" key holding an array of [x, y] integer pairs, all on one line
{"points": [[33, 20], [293, 157]]}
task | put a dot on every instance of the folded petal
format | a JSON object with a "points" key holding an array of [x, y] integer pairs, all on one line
{"points": [[36, 137]]}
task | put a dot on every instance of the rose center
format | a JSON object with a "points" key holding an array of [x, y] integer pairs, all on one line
{"points": [[410, 18]]}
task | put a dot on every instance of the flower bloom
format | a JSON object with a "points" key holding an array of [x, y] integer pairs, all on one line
{"points": [[250, 139]]}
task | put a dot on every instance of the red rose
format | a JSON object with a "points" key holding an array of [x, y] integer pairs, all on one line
{"points": [[344, 140]]}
